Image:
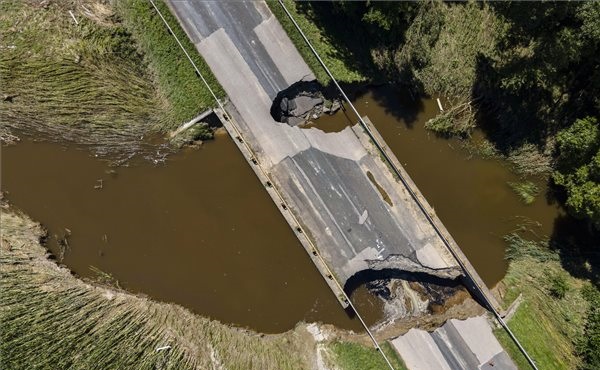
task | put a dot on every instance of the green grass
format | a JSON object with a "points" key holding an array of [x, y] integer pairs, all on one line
{"points": [[106, 82], [352, 356], [526, 190], [319, 39], [177, 80], [547, 326], [447, 64]]}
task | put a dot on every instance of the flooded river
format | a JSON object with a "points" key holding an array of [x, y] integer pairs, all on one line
{"points": [[471, 195], [200, 231]]}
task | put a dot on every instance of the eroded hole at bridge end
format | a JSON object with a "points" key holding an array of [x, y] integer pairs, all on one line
{"points": [[301, 103], [403, 297]]}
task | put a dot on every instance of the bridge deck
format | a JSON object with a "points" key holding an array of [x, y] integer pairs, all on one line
{"points": [[350, 206]]}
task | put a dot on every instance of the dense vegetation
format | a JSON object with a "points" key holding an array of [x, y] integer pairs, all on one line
{"points": [[578, 168], [589, 346], [106, 81]]}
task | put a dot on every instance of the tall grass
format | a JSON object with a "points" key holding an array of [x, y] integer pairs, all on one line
{"points": [[351, 356], [184, 90], [548, 325], [52, 320], [94, 82]]}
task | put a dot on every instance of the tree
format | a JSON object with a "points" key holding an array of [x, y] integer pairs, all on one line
{"points": [[578, 168], [589, 346]]}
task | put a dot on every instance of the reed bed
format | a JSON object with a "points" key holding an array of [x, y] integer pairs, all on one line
{"points": [[526, 190]]}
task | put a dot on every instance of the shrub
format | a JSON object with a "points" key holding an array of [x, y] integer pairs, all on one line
{"points": [[558, 286]]}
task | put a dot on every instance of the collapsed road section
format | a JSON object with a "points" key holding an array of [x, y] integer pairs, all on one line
{"points": [[336, 189], [324, 177]]}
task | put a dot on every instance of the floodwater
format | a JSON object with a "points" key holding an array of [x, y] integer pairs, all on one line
{"points": [[200, 230], [471, 195]]}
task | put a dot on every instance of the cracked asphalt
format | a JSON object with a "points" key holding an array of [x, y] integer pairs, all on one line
{"points": [[322, 176]]}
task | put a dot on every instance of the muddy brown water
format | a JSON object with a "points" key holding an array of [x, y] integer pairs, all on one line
{"points": [[200, 230]]}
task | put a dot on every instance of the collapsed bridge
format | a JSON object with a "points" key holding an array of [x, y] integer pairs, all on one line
{"points": [[340, 193]]}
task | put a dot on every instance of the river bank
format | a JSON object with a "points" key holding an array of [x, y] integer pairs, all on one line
{"points": [[52, 319], [105, 75]]}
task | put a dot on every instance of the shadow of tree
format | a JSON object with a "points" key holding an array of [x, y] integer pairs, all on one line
{"points": [[399, 102], [577, 245], [506, 119], [343, 29]]}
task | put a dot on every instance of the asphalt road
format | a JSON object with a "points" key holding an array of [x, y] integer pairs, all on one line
{"points": [[322, 176], [457, 345], [238, 19]]}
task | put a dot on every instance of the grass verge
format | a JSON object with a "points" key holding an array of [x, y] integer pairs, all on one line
{"points": [[527, 190], [550, 321], [351, 356]]}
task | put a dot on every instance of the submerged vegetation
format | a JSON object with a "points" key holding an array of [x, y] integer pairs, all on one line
{"points": [[527, 190], [103, 80]]}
